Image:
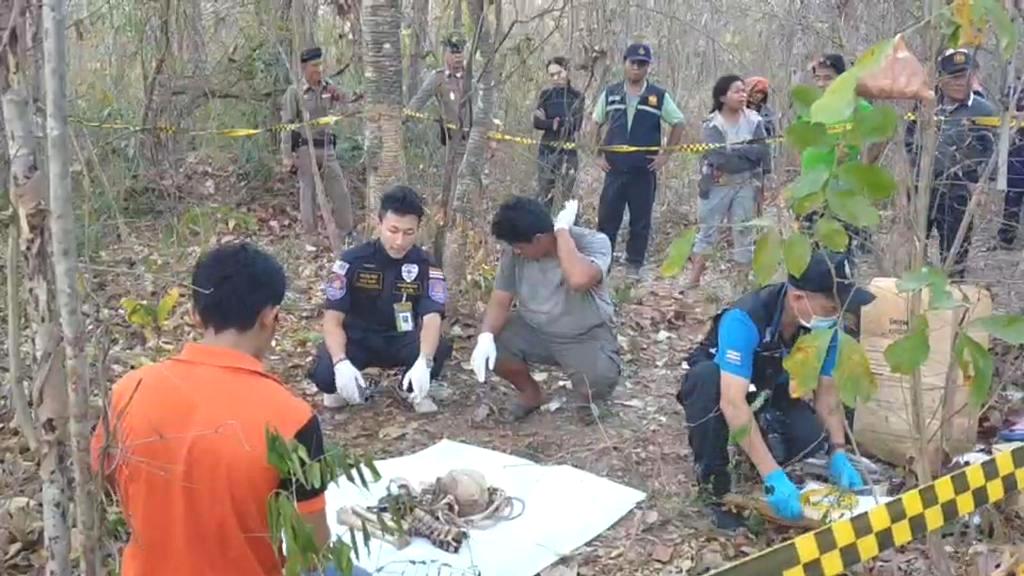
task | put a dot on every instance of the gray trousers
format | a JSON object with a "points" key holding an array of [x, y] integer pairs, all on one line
{"points": [[738, 203], [334, 187]]}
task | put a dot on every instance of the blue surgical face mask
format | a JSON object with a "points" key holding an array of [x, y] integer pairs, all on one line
{"points": [[817, 322]]}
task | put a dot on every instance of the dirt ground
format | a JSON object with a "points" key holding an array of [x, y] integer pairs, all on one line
{"points": [[640, 443]]}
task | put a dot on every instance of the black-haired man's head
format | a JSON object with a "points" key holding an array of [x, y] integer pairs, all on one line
{"points": [[238, 289], [525, 225], [827, 68], [401, 210]]}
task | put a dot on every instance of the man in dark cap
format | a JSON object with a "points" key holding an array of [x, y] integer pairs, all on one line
{"points": [[961, 153], [742, 352], [447, 86], [314, 97], [632, 112]]}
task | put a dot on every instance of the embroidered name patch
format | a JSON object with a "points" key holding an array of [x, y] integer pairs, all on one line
{"points": [[369, 280]]}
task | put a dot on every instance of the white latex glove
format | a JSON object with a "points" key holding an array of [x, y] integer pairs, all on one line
{"points": [[567, 217], [349, 382], [483, 356], [417, 380]]}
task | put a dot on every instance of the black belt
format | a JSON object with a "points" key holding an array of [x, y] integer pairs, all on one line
{"points": [[298, 141]]}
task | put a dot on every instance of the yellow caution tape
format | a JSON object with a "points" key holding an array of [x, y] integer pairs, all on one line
{"points": [[690, 148], [832, 549]]}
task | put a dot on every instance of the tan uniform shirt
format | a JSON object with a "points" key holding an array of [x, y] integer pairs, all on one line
{"points": [[316, 101], [447, 89]]}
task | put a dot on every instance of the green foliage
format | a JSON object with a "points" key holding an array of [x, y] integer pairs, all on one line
{"points": [[853, 374], [805, 360], [803, 134], [291, 461], [851, 206], [831, 234], [868, 180], [1007, 327], [977, 367], [937, 283], [150, 318], [679, 253], [803, 97], [875, 124], [807, 184], [767, 256], [796, 252], [909, 353]]}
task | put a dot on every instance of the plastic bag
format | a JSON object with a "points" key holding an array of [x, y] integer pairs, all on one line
{"points": [[899, 77]]}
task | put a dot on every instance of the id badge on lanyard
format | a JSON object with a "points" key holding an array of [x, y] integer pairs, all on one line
{"points": [[403, 316]]}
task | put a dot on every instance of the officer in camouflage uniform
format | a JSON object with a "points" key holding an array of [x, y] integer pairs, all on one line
{"points": [[317, 97]]}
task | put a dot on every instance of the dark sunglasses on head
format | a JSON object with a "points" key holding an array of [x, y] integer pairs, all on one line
{"points": [[639, 63]]}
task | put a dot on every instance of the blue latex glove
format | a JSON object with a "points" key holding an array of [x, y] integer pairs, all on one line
{"points": [[843, 473], [783, 496]]}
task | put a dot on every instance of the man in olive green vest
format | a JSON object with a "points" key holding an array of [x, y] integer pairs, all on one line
{"points": [[317, 97]]}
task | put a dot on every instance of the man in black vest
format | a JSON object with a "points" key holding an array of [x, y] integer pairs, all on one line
{"points": [[632, 112], [744, 349]]}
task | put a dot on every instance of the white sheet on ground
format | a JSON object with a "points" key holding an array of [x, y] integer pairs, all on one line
{"points": [[565, 508]]}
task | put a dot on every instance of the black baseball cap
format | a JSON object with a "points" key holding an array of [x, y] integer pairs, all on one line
{"points": [[955, 61], [638, 51], [831, 274]]}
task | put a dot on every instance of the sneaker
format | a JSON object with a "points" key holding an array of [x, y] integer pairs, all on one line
{"points": [[425, 406], [334, 401], [634, 271]]}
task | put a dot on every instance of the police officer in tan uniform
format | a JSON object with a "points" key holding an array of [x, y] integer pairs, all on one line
{"points": [[317, 97], [446, 86]]}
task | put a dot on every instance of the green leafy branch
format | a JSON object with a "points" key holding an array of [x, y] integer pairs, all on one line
{"points": [[288, 530], [150, 318]]}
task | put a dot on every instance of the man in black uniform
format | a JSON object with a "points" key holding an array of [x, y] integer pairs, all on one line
{"points": [[961, 153], [384, 304], [745, 348], [559, 114]]}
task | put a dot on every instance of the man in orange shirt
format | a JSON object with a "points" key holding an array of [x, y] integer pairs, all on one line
{"points": [[187, 452]]}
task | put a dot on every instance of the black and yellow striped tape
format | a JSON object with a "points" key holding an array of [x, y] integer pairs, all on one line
{"points": [[832, 549], [496, 135]]}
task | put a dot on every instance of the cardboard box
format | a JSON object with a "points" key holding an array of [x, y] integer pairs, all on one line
{"points": [[884, 426]]}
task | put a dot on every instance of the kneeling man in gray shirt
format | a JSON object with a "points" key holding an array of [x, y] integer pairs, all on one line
{"points": [[555, 273]]}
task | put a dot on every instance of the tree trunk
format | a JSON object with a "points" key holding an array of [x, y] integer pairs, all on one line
{"points": [[419, 44], [382, 59], [28, 194], [461, 210], [65, 262]]}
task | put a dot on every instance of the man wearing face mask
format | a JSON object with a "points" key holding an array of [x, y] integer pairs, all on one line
{"points": [[630, 113], [744, 349], [559, 114], [962, 150], [384, 304]]}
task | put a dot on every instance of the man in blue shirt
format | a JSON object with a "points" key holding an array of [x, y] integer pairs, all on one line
{"points": [[743, 350]]}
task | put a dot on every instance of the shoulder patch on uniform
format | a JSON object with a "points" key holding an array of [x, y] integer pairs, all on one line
{"points": [[437, 289], [336, 286], [652, 100], [340, 267], [410, 272], [436, 272]]}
